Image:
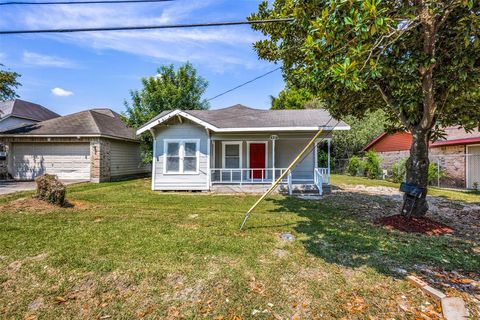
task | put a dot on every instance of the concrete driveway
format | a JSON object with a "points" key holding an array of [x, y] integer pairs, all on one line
{"points": [[11, 186]]}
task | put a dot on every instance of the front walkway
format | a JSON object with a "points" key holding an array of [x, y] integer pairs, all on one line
{"points": [[12, 186]]}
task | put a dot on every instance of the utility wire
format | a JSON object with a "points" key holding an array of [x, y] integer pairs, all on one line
{"points": [[167, 26], [77, 2], [245, 83]]}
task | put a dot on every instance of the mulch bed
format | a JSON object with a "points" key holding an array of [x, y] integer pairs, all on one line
{"points": [[415, 225]]}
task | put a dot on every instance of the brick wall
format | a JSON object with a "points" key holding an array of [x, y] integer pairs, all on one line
{"points": [[453, 164], [3, 163], [392, 157], [451, 159], [100, 157]]}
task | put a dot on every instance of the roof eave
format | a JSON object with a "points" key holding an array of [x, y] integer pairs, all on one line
{"points": [[207, 125], [78, 136]]}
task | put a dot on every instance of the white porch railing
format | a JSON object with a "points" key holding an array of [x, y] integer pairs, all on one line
{"points": [[266, 175], [246, 175], [318, 179]]}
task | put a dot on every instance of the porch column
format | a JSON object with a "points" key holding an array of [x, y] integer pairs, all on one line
{"points": [[273, 138], [328, 160]]}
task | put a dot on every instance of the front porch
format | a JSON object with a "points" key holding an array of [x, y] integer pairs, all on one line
{"points": [[253, 165]]}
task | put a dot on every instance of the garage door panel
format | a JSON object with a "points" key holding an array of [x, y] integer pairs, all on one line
{"points": [[66, 160]]}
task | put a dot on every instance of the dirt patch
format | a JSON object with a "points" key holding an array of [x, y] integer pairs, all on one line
{"points": [[373, 203], [36, 205], [415, 225]]}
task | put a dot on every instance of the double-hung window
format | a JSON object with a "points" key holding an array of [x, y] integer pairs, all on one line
{"points": [[232, 155], [181, 156]]}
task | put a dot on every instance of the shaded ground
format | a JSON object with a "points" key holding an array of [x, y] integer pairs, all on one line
{"points": [[125, 252], [463, 217]]}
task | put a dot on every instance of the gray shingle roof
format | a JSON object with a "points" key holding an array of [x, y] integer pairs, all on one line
{"points": [[94, 122], [240, 116], [26, 110]]}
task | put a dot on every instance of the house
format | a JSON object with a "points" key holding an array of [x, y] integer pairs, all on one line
{"points": [[15, 113], [92, 145], [236, 146], [458, 154]]}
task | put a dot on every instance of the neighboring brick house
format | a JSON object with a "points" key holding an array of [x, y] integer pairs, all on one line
{"points": [[458, 154], [92, 145]]}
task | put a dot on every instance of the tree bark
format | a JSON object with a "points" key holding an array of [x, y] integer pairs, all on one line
{"points": [[417, 172]]}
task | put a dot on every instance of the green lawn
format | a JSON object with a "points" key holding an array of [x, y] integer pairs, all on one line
{"points": [[126, 252]]}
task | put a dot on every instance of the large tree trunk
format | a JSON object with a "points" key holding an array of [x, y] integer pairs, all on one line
{"points": [[417, 172]]}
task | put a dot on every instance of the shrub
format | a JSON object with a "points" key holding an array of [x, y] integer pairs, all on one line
{"points": [[399, 170], [50, 189], [372, 165], [434, 173], [356, 166]]}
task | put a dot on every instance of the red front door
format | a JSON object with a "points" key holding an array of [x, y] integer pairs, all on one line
{"points": [[257, 160]]}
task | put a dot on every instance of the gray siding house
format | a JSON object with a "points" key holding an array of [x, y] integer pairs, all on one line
{"points": [[236, 146]]}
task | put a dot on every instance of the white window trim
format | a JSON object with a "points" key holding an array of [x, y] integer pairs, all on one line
{"points": [[239, 143], [265, 142], [181, 154]]}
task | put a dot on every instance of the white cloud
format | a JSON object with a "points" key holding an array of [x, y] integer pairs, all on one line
{"points": [[32, 58], [217, 48], [61, 92]]}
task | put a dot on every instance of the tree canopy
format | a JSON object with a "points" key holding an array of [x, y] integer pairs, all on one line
{"points": [[8, 84], [291, 98], [170, 89], [361, 55], [419, 61]]}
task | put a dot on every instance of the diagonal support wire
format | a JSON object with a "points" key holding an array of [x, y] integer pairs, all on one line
{"points": [[294, 162]]}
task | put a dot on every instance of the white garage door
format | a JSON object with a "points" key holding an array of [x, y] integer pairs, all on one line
{"points": [[66, 160], [473, 166]]}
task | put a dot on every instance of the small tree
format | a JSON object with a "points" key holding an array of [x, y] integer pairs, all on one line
{"points": [[398, 171], [8, 84], [372, 164], [170, 89], [356, 166], [434, 174]]}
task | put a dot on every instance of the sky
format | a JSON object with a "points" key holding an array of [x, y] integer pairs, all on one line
{"points": [[72, 72]]}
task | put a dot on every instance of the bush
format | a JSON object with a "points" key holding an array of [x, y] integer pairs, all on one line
{"points": [[399, 170], [50, 189], [372, 165], [356, 166], [434, 173]]}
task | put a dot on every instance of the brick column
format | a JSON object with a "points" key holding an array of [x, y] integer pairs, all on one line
{"points": [[99, 160]]}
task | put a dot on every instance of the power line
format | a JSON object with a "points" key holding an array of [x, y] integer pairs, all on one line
{"points": [[245, 83], [77, 2], [167, 26]]}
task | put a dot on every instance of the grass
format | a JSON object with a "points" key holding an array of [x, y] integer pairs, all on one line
{"points": [[470, 196], [126, 252]]}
